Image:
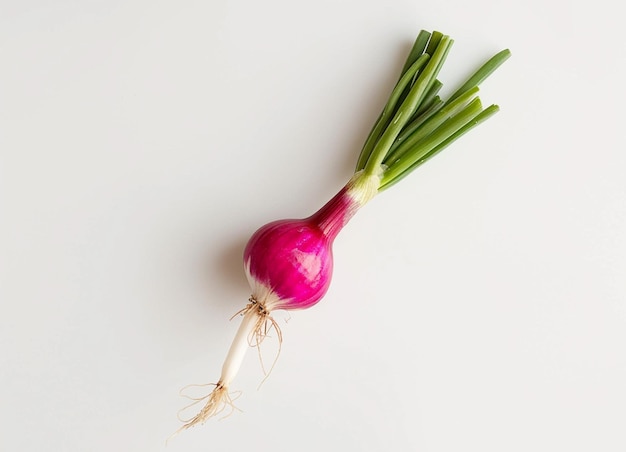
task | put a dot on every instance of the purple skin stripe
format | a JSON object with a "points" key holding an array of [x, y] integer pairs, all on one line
{"points": [[294, 257]]}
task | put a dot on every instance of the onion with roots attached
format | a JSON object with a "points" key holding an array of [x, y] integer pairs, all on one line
{"points": [[289, 263]]}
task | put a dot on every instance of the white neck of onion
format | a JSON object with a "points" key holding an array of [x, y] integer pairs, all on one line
{"points": [[239, 346]]}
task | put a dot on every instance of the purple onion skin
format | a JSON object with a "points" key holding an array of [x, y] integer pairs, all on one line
{"points": [[294, 258]]}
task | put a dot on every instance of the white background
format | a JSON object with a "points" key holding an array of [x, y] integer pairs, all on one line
{"points": [[480, 305]]}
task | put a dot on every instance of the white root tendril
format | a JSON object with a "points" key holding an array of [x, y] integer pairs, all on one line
{"points": [[216, 402], [263, 327], [255, 326]]}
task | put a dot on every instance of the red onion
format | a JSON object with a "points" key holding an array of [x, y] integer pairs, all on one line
{"points": [[289, 263]]}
